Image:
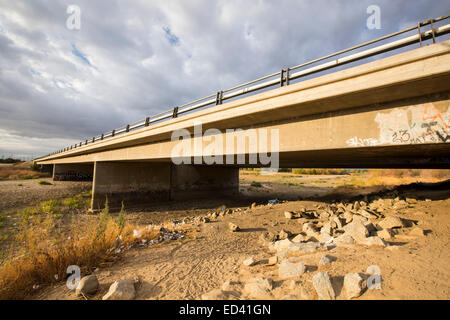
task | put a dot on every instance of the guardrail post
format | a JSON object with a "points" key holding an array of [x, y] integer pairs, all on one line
{"points": [[113, 133], [219, 97], [147, 121], [102, 137], [175, 112], [284, 77], [93, 139], [420, 34], [128, 128], [432, 30]]}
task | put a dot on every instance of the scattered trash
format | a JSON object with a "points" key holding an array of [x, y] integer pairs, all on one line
{"points": [[274, 201]]}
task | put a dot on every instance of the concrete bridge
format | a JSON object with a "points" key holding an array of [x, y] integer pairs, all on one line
{"points": [[390, 113]]}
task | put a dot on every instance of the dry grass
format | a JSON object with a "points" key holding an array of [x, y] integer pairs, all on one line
{"points": [[46, 251], [419, 174], [20, 171]]}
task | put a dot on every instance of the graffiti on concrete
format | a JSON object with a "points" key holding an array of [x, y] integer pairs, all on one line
{"points": [[418, 124], [72, 176], [359, 142]]}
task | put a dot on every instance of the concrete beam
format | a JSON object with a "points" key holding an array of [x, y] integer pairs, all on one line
{"points": [[408, 133]]}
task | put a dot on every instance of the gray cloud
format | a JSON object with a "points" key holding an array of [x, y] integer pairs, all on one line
{"points": [[134, 59]]}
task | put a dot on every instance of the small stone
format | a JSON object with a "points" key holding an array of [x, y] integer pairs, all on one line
{"points": [[356, 229], [288, 215], [273, 261], [348, 216], [374, 241], [268, 237], [344, 239], [233, 227], [249, 262], [284, 234], [309, 229], [385, 234], [324, 214], [417, 231], [354, 285], [253, 206], [391, 222], [290, 268], [87, 285], [299, 238], [215, 294], [326, 259], [121, 290], [258, 287], [322, 285]]}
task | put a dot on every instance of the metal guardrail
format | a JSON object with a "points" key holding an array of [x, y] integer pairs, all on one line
{"points": [[282, 78]]}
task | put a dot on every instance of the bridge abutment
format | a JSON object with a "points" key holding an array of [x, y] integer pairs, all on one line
{"points": [[135, 183]]}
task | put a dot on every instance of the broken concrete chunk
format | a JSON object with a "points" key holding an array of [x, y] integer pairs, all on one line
{"points": [[322, 285], [290, 268], [121, 290], [354, 285], [391, 222]]}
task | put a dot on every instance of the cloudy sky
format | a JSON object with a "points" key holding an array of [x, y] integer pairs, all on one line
{"points": [[132, 59]]}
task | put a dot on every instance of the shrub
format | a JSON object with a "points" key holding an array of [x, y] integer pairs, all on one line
{"points": [[256, 184], [44, 183]]}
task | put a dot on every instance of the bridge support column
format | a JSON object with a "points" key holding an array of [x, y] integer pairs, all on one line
{"points": [[203, 181], [130, 182], [147, 182], [73, 172]]}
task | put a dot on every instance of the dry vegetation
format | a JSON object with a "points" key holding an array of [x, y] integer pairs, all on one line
{"points": [[44, 245], [21, 170]]}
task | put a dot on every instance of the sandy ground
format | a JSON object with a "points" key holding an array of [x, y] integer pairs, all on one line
{"points": [[417, 268]]}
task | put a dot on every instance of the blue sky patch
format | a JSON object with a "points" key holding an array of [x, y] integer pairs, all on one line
{"points": [[173, 39]]}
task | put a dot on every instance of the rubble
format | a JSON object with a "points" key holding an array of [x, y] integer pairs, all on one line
{"points": [[322, 285]]}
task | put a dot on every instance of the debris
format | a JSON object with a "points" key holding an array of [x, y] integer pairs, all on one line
{"points": [[273, 261], [322, 285], [391, 222], [284, 234], [268, 237], [326, 259], [290, 268], [87, 285], [121, 290], [233, 227], [373, 241], [258, 287], [354, 285], [417, 231], [249, 262], [288, 215]]}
